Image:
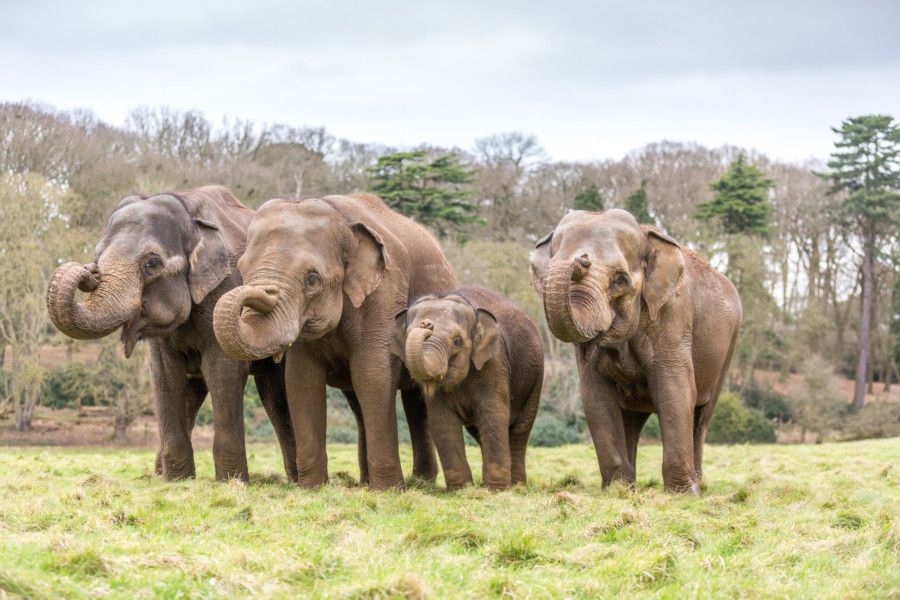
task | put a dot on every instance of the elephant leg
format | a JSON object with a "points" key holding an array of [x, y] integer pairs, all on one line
{"points": [[673, 396], [424, 461], [168, 378], [194, 397], [375, 381], [361, 452], [304, 379], [603, 414], [447, 431], [492, 414], [519, 432], [270, 384], [226, 378], [634, 423]]}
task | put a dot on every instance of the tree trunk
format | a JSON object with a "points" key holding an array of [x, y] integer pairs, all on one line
{"points": [[865, 322]]}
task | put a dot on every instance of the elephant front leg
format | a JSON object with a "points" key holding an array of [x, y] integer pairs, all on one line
{"points": [[375, 383], [226, 378], [172, 396], [270, 385], [424, 462], [304, 379], [361, 453], [604, 418], [673, 396], [493, 428], [447, 432]]}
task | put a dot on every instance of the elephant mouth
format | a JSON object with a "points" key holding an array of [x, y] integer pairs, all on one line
{"points": [[313, 329], [136, 330]]}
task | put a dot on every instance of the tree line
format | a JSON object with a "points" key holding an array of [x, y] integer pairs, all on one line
{"points": [[813, 247]]}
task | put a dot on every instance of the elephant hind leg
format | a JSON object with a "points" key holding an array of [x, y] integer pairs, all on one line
{"points": [[353, 401], [425, 465], [634, 423]]}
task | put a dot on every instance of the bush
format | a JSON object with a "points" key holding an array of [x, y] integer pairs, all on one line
{"points": [[766, 400], [651, 428], [874, 420], [551, 429], [734, 423]]}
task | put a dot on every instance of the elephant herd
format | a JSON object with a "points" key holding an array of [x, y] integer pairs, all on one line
{"points": [[342, 291]]}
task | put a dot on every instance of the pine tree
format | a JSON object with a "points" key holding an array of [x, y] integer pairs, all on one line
{"points": [[865, 167], [638, 206], [588, 198], [433, 192], [741, 201]]}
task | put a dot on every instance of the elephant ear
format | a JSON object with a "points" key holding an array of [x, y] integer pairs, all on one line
{"points": [[208, 262], [398, 337], [540, 257], [487, 337], [663, 270], [367, 266]]}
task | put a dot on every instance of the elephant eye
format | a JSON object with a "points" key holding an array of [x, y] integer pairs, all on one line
{"points": [[620, 280], [313, 279], [153, 263], [457, 342]]}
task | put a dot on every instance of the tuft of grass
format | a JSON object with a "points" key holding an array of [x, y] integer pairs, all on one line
{"points": [[762, 528]]}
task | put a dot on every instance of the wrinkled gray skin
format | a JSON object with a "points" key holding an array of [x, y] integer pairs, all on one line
{"points": [[323, 280], [654, 327], [161, 264], [480, 363]]}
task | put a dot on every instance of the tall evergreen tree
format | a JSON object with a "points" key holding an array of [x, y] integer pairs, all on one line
{"points": [[865, 167], [588, 198], [741, 201], [433, 191], [638, 206]]}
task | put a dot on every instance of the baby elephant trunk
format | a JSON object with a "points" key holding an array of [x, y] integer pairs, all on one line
{"points": [[426, 356]]}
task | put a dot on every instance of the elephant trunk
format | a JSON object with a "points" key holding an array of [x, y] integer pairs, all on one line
{"points": [[576, 301], [111, 302], [426, 356], [264, 330]]}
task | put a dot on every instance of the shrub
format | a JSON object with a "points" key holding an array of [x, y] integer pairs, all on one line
{"points": [[651, 428], [874, 420], [551, 429], [766, 400], [734, 423]]}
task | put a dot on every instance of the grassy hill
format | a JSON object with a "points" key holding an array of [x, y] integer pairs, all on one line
{"points": [[774, 521]]}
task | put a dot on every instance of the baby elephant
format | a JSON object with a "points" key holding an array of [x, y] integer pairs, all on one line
{"points": [[440, 338]]}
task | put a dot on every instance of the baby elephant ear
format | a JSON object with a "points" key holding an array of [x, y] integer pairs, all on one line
{"points": [[663, 271], [398, 338], [367, 266], [540, 256], [208, 262], [486, 338]]}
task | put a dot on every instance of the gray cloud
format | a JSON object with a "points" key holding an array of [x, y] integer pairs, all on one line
{"points": [[591, 79]]}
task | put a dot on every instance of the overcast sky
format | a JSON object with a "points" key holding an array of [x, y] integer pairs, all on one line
{"points": [[589, 79]]}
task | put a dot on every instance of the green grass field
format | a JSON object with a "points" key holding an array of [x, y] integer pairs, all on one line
{"points": [[774, 521]]}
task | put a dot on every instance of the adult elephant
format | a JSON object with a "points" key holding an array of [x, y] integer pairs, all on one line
{"points": [[161, 264], [323, 279], [654, 327]]}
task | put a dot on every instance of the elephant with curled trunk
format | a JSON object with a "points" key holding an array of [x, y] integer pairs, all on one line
{"points": [[323, 279], [479, 360], [161, 264], [654, 327]]}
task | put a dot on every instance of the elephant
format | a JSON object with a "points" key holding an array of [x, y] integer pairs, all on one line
{"points": [[161, 264], [440, 338], [654, 326], [323, 279]]}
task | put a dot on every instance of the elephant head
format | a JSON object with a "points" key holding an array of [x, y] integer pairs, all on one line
{"points": [[596, 270], [302, 258], [439, 337], [153, 262]]}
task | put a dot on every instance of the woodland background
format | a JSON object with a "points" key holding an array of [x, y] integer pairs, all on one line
{"points": [[798, 268]]}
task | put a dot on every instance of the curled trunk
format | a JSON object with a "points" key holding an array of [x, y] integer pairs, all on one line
{"points": [[577, 311], [426, 357], [265, 329], [110, 303]]}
